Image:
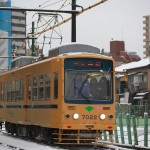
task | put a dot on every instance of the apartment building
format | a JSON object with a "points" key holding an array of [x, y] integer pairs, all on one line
{"points": [[146, 35], [18, 30], [12, 24]]}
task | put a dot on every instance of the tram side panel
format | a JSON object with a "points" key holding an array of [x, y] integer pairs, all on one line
{"points": [[15, 109], [43, 109], [10, 104]]}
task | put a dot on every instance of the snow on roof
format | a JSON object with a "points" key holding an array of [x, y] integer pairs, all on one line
{"points": [[132, 65]]}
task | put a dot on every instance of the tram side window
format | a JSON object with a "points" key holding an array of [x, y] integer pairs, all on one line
{"points": [[13, 91], [29, 88], [17, 94], [21, 89], [9, 91], [55, 85], [41, 87], [2, 87], [47, 86], [5, 91], [34, 88]]}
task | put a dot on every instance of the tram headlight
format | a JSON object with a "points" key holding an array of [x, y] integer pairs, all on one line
{"points": [[102, 116], [75, 116]]}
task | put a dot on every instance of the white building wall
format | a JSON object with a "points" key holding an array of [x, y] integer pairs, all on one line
{"points": [[3, 51]]}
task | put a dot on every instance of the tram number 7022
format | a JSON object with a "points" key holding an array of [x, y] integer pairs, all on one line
{"points": [[90, 117]]}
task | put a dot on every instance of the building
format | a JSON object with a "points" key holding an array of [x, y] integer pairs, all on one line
{"points": [[138, 74], [18, 29], [3, 51], [146, 35], [135, 80], [117, 51], [12, 24], [5, 31]]}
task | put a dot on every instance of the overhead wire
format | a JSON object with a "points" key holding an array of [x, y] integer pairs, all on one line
{"points": [[56, 20], [44, 3], [68, 19], [83, 10], [47, 6], [56, 13], [40, 5], [47, 22], [52, 4]]}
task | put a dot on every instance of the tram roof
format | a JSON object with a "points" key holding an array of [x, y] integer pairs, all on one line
{"points": [[73, 48]]}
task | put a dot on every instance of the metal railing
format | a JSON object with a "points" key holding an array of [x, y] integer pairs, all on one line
{"points": [[133, 125]]}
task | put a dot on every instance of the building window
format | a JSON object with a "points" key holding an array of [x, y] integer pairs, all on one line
{"points": [[145, 78], [47, 86], [18, 32], [18, 17]]}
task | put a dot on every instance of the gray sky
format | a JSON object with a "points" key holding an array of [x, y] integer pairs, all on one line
{"points": [[115, 19]]}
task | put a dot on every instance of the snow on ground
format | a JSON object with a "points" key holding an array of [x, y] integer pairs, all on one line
{"points": [[29, 145], [140, 135], [20, 143]]}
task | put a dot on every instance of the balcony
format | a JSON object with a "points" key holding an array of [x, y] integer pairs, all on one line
{"points": [[146, 46], [18, 14], [145, 34], [146, 28]]}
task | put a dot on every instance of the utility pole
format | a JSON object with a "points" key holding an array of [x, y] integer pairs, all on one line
{"points": [[33, 41], [73, 32]]}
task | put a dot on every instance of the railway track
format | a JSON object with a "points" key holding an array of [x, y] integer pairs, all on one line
{"points": [[7, 146], [42, 145]]}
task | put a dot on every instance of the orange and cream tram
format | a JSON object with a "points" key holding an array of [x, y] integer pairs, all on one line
{"points": [[66, 98]]}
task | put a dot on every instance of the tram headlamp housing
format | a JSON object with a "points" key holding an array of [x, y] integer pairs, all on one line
{"points": [[110, 116], [67, 116], [75, 116], [102, 116]]}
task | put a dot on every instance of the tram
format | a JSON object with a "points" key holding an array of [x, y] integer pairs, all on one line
{"points": [[65, 98]]}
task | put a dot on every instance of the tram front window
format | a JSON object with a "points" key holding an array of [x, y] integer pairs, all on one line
{"points": [[88, 85]]}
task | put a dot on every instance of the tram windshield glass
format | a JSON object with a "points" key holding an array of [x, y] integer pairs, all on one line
{"points": [[88, 85]]}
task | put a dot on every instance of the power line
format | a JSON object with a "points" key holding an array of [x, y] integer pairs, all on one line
{"points": [[68, 19], [39, 10], [63, 5], [52, 4]]}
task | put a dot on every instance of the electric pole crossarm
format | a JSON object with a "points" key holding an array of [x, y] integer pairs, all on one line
{"points": [[39, 10], [16, 38]]}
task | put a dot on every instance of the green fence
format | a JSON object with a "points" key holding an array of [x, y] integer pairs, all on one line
{"points": [[133, 125]]}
